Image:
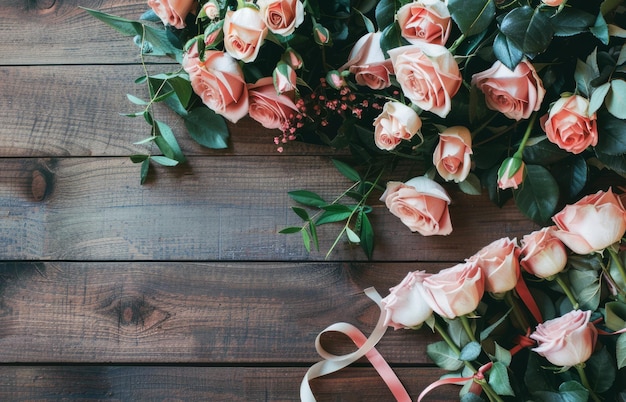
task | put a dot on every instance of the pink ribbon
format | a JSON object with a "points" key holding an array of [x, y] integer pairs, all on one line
{"points": [[479, 375], [527, 298], [333, 363]]}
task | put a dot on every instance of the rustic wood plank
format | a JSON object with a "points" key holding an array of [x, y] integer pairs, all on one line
{"points": [[37, 32], [75, 111], [205, 383], [203, 313], [212, 209]]}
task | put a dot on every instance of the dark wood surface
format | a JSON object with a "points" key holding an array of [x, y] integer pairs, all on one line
{"points": [[180, 289]]}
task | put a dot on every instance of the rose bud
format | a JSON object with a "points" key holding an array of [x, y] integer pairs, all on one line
{"points": [[284, 78], [511, 173], [397, 122], [405, 305], [321, 35], [452, 156]]}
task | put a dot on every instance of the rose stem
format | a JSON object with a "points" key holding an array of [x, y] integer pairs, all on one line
{"points": [[583, 377], [468, 328], [618, 263], [529, 129], [518, 316], [567, 290]]}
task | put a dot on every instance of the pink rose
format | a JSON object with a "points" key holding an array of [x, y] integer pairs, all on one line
{"points": [[511, 173], [421, 204], [172, 12], [244, 33], [499, 264], [282, 17], [219, 82], [428, 75], [516, 94], [425, 20], [267, 107], [284, 78], [397, 122], [405, 305], [456, 291], [211, 10], [452, 156], [368, 63], [569, 125], [592, 224], [567, 340], [543, 254]]}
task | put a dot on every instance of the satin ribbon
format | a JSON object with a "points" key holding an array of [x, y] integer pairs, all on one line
{"points": [[527, 298], [333, 363], [479, 375]]}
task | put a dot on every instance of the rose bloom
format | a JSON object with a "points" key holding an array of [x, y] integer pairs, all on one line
{"points": [[267, 107], [397, 122], [452, 156], [500, 265], [511, 173], [516, 94], [212, 10], [592, 224], [368, 63], [543, 254], [244, 33], [456, 291], [282, 17], [428, 75], [405, 306], [219, 82], [421, 204], [569, 126], [425, 20], [172, 12], [567, 340]]}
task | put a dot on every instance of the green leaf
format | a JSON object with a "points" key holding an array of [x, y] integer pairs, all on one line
{"points": [[502, 355], [471, 185], [367, 235], [571, 21], [308, 198], [385, 13], [472, 16], [538, 195], [290, 229], [600, 30], [443, 356], [352, 237], [306, 239], [499, 379], [611, 134], [347, 170], [600, 369], [617, 163], [572, 175], [543, 152], [391, 38], [507, 51], [164, 160], [168, 135], [583, 75], [145, 167], [301, 213], [616, 99], [145, 140], [470, 352], [369, 25], [487, 331], [585, 284], [620, 352], [183, 89], [528, 28], [207, 128], [615, 312], [597, 97], [330, 217], [138, 158], [136, 100]]}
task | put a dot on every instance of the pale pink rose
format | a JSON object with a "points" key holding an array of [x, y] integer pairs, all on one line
{"points": [[425, 20], [567, 340], [172, 12], [219, 82], [428, 75], [212, 10], [591, 224], [397, 122], [511, 173], [456, 291], [282, 17], [244, 33], [552, 3], [500, 265], [368, 63], [284, 78], [569, 125], [452, 156], [516, 94], [405, 306], [267, 107], [543, 254], [421, 204]]}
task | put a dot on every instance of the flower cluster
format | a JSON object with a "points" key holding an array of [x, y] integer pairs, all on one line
{"points": [[555, 301]]}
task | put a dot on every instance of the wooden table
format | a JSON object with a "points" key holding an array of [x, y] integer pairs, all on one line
{"points": [[180, 289]]}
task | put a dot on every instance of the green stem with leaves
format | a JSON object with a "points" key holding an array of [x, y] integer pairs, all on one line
{"points": [[585, 381], [568, 292], [529, 129], [618, 263], [467, 327]]}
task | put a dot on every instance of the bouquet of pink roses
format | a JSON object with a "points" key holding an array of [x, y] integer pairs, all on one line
{"points": [[544, 321], [522, 98]]}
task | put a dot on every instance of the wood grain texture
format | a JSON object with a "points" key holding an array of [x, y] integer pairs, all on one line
{"points": [[131, 383], [212, 209], [203, 313]]}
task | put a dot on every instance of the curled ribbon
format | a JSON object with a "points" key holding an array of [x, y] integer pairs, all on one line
{"points": [[366, 347], [479, 375]]}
